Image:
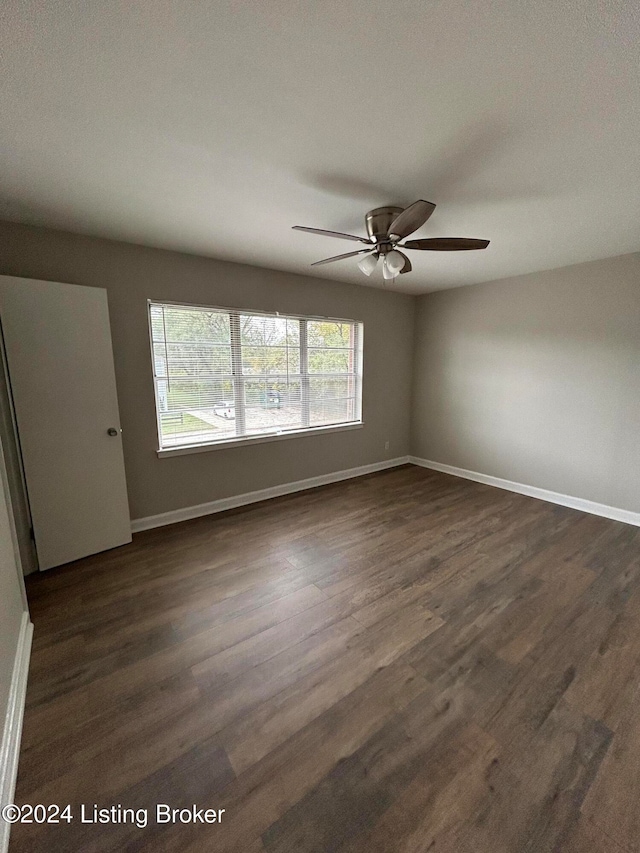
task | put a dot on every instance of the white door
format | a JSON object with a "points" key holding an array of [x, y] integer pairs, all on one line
{"points": [[58, 346]]}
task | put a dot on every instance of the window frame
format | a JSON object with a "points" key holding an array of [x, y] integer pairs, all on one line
{"points": [[236, 350]]}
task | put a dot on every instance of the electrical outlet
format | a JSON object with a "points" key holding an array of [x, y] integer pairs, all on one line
{"points": [[386, 445]]}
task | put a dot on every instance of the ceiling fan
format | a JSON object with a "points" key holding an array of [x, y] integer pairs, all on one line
{"points": [[386, 227]]}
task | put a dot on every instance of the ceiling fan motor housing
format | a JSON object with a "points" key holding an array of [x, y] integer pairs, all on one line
{"points": [[378, 221]]}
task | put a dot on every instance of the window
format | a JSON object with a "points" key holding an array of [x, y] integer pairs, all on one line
{"points": [[223, 375]]}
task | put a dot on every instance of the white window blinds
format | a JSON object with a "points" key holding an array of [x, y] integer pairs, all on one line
{"points": [[221, 375]]}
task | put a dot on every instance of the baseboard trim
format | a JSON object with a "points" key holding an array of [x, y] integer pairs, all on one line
{"points": [[138, 524], [10, 747], [612, 512]]}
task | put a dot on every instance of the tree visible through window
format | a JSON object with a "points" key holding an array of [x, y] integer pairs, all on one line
{"points": [[221, 375]]}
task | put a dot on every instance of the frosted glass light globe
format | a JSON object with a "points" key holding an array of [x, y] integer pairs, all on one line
{"points": [[387, 273], [395, 262], [368, 264]]}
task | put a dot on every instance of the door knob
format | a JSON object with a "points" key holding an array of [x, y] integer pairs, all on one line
{"points": [[112, 431]]}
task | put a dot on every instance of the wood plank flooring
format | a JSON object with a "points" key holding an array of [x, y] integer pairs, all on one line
{"points": [[403, 662]]}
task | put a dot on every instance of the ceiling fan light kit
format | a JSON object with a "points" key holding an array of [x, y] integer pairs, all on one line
{"points": [[386, 227]]}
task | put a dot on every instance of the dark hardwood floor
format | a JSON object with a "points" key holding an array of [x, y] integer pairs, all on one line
{"points": [[403, 662]]}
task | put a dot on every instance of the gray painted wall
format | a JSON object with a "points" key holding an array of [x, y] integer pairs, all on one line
{"points": [[536, 379], [132, 274]]}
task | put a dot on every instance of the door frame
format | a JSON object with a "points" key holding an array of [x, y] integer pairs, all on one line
{"points": [[14, 469]]}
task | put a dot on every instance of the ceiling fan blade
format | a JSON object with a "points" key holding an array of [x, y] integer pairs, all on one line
{"points": [[330, 233], [340, 257], [446, 244], [407, 263], [410, 219]]}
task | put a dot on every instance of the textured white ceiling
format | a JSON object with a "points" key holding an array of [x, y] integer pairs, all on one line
{"points": [[213, 127]]}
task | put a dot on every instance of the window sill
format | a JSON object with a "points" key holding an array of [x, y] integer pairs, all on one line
{"points": [[255, 439]]}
